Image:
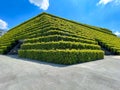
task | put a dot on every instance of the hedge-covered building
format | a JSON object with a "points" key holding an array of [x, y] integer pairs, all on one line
{"points": [[53, 39]]}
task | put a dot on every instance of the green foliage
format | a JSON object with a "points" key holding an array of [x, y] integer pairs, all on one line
{"points": [[60, 45], [104, 30], [47, 32], [58, 38], [3, 47], [1, 51], [63, 56]]}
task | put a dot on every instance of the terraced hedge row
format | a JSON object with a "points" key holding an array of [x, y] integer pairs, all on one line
{"points": [[62, 56], [60, 45], [52, 31], [57, 32], [3, 47], [1, 51], [58, 38], [113, 49]]}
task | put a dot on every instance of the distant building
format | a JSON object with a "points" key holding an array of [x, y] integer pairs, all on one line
{"points": [[2, 32]]}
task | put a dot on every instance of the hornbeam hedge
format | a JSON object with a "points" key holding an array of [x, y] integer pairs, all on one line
{"points": [[58, 38], [60, 45], [1, 51], [62, 56]]}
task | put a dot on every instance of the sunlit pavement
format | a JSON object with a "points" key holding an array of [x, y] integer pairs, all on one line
{"points": [[23, 74]]}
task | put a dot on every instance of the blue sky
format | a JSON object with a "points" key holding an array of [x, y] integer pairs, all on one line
{"points": [[102, 13]]}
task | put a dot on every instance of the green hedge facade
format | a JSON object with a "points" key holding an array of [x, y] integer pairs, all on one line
{"points": [[58, 38], [63, 56], [60, 45], [50, 36]]}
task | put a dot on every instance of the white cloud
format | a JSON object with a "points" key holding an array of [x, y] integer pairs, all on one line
{"points": [[117, 33], [105, 2], [3, 24], [42, 4]]}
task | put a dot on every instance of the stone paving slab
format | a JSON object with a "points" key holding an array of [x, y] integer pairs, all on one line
{"points": [[24, 74]]}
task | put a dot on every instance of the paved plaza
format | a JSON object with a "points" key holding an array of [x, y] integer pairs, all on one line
{"points": [[24, 74]]}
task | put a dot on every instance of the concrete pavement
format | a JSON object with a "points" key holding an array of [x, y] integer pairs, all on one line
{"points": [[23, 74]]}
